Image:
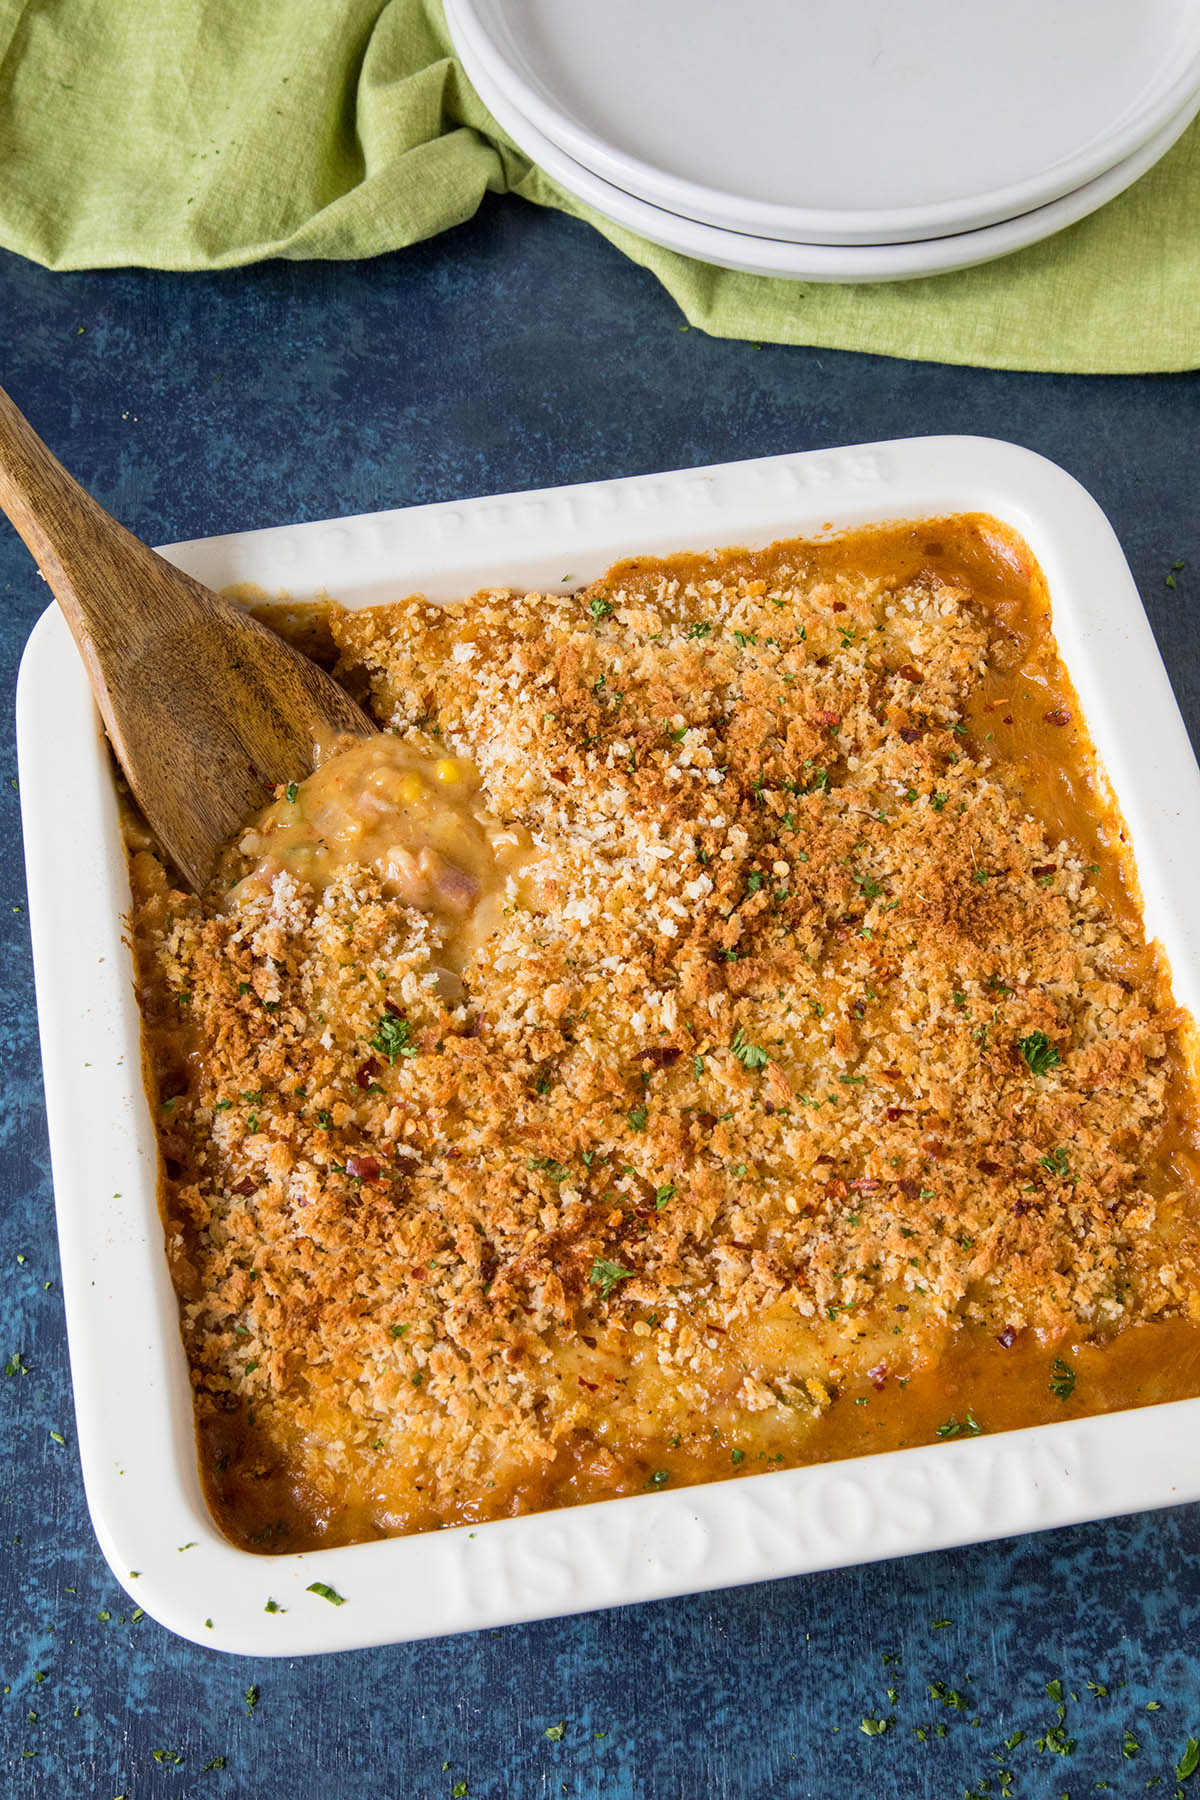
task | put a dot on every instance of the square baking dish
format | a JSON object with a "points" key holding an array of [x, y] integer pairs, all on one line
{"points": [[132, 1394]]}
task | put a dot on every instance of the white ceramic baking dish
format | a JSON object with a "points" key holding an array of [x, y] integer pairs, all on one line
{"points": [[132, 1398]]}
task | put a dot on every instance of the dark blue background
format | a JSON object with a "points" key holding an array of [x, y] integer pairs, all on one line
{"points": [[518, 351]]}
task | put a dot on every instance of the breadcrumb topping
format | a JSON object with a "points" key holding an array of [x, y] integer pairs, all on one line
{"points": [[816, 1042]]}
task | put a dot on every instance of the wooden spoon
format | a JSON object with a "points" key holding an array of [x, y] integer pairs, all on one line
{"points": [[207, 709]]}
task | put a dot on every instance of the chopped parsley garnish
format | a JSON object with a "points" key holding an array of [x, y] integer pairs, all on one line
{"points": [[548, 1166], [324, 1592], [1189, 1762], [952, 1428], [273, 1606], [250, 1696], [605, 1276], [699, 629], [1039, 1053], [663, 1194], [751, 1056], [876, 1727], [1062, 1379], [637, 1117], [659, 1478], [291, 791], [600, 609], [1057, 1163], [393, 1037], [555, 1732]]}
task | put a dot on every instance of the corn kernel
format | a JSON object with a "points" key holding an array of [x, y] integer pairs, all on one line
{"points": [[447, 771], [411, 788]]}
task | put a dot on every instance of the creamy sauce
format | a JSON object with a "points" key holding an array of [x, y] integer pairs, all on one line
{"points": [[414, 818]]}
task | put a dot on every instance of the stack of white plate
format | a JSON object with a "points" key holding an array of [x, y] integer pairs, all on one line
{"points": [[838, 140]]}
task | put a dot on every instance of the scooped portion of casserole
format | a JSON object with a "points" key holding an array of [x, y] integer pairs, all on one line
{"points": [[710, 1029]]}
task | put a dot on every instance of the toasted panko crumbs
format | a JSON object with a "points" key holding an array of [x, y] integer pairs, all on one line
{"points": [[744, 1105]]}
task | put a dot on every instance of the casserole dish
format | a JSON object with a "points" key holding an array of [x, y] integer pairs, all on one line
{"points": [[132, 1392]]}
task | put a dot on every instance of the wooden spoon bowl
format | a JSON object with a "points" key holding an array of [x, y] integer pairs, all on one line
{"points": [[207, 709]]}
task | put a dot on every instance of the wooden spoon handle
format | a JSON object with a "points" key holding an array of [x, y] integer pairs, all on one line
{"points": [[84, 554]]}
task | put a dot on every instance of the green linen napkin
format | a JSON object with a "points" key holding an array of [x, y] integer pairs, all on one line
{"points": [[204, 134]]}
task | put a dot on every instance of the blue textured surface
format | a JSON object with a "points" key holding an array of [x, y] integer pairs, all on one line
{"points": [[518, 351]]}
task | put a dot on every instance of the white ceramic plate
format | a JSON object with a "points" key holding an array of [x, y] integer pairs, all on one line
{"points": [[809, 262], [855, 122], [132, 1398]]}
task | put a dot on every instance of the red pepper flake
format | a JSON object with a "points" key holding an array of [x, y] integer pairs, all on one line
{"points": [[865, 1184], [910, 672], [878, 1375], [910, 734], [563, 775], [366, 1073], [1058, 716], [592, 1386], [1007, 1337], [827, 718], [662, 1056], [363, 1168], [836, 1188], [1040, 869], [989, 1168], [247, 1185], [839, 606], [897, 1112]]}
